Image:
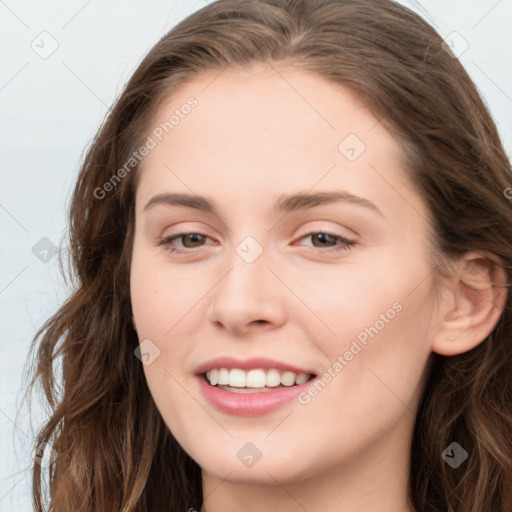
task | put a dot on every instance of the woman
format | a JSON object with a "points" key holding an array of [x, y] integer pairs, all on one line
{"points": [[292, 245]]}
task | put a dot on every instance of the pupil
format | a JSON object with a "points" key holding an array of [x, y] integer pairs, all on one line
{"points": [[322, 237], [194, 237]]}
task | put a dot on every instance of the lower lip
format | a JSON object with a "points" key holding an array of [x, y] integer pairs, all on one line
{"points": [[249, 404]]}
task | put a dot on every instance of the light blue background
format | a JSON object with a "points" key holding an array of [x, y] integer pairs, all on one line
{"points": [[50, 110]]}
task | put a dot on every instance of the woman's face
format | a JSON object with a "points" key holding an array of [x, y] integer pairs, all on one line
{"points": [[340, 289]]}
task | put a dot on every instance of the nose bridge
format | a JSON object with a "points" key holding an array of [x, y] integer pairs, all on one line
{"points": [[248, 291], [244, 284]]}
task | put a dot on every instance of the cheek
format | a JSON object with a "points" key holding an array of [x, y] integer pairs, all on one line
{"points": [[381, 318], [162, 304], [161, 294], [375, 376]]}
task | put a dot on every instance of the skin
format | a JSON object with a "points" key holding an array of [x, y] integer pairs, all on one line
{"points": [[251, 139]]}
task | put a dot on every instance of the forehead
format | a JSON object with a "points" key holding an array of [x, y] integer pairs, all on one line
{"points": [[270, 105], [265, 131]]}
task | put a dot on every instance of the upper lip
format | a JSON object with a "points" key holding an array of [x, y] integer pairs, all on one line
{"points": [[249, 364]]}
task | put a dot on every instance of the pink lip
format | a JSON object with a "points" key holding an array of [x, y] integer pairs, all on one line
{"points": [[248, 364], [249, 404]]}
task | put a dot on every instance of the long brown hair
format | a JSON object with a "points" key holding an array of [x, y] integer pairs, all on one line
{"points": [[114, 451]]}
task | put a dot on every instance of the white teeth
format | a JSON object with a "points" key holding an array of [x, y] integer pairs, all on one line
{"points": [[223, 377], [237, 378], [273, 378], [257, 378], [213, 377], [301, 378], [288, 379]]}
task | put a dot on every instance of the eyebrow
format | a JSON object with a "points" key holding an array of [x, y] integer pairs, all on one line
{"points": [[284, 204]]}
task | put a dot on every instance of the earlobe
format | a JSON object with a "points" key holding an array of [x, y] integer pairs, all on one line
{"points": [[473, 305]]}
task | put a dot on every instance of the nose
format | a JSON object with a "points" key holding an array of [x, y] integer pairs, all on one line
{"points": [[247, 297]]}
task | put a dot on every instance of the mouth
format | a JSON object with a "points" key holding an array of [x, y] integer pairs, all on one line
{"points": [[251, 387], [261, 392], [258, 380]]}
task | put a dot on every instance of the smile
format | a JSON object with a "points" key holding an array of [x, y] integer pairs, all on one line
{"points": [[240, 381], [251, 393]]}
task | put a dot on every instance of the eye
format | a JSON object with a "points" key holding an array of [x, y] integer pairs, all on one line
{"points": [[190, 240], [194, 240], [328, 241]]}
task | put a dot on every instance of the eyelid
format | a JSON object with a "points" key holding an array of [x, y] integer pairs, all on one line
{"points": [[326, 232], [185, 228], [319, 229], [344, 244], [166, 240]]}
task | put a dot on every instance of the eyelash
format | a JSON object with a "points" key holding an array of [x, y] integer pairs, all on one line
{"points": [[345, 245]]}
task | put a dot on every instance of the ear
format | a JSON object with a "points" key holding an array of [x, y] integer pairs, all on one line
{"points": [[472, 304]]}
